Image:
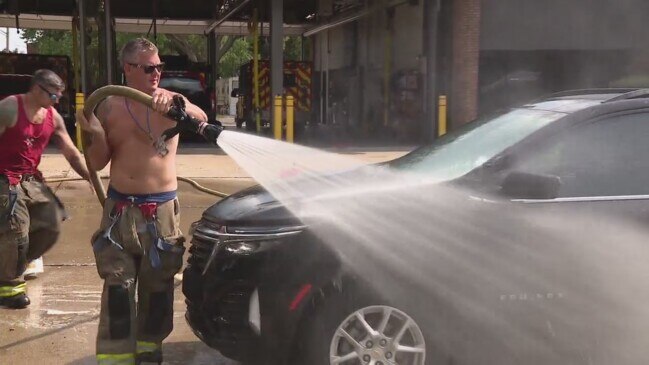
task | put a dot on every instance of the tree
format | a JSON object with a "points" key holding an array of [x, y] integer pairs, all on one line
{"points": [[239, 53], [233, 51], [52, 42]]}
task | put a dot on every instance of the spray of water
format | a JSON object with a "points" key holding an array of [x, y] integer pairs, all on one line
{"points": [[487, 281]]}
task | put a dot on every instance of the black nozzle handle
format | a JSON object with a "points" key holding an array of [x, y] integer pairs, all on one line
{"points": [[185, 122]]}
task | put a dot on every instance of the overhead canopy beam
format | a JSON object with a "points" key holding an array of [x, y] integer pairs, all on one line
{"points": [[338, 22], [348, 18], [141, 25], [221, 20]]}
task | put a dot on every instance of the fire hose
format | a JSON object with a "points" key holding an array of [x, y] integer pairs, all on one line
{"points": [[177, 113]]}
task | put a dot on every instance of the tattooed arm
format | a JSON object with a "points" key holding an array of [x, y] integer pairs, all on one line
{"points": [[8, 113], [97, 148], [65, 144]]}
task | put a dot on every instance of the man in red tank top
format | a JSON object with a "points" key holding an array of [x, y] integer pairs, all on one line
{"points": [[30, 213]]}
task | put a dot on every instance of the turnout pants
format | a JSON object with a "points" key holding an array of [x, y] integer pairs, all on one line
{"points": [[30, 224], [138, 249]]}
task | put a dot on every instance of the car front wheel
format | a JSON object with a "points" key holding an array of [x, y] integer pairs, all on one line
{"points": [[359, 335], [378, 335]]}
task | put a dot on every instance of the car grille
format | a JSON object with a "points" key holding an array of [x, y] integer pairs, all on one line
{"points": [[202, 246]]}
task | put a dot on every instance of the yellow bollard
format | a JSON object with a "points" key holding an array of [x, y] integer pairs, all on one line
{"points": [[277, 119], [79, 102], [441, 116], [290, 119]]}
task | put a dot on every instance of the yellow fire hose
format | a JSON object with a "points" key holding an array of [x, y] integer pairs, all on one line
{"points": [[91, 103]]}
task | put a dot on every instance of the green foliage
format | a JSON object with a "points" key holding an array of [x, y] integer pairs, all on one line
{"points": [[239, 54], [58, 42], [293, 48], [51, 42]]}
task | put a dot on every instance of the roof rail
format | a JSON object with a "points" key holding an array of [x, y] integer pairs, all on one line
{"points": [[592, 92], [640, 93]]}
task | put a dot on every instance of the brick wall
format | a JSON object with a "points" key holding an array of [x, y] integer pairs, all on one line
{"points": [[463, 101]]}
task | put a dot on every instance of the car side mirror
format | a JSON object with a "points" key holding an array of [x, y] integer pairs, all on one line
{"points": [[234, 93], [524, 185]]}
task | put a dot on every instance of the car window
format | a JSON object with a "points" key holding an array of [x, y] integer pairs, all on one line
{"points": [[609, 157], [181, 83], [461, 151]]}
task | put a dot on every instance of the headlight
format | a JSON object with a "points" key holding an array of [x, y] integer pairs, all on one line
{"points": [[249, 247], [244, 241], [241, 248]]}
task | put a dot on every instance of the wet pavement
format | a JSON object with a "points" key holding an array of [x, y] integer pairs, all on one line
{"points": [[60, 325]]}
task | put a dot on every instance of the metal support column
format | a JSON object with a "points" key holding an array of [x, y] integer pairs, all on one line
{"points": [[82, 46], [277, 49], [213, 59], [431, 22], [387, 64], [108, 33]]}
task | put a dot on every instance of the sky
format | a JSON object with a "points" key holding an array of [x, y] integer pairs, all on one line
{"points": [[15, 42]]}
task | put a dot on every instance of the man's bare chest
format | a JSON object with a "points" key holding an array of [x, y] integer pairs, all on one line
{"points": [[139, 130]]}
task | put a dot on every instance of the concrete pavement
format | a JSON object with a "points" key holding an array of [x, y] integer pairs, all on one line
{"points": [[60, 325]]}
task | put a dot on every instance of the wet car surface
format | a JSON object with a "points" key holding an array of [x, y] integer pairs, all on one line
{"points": [[259, 281]]}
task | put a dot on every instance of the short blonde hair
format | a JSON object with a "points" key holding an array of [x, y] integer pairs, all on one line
{"points": [[47, 78], [135, 46]]}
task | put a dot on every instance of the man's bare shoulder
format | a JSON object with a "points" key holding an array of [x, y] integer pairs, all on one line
{"points": [[106, 108], [9, 102], [8, 111]]}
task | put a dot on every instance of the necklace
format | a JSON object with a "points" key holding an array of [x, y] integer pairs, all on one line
{"points": [[29, 141], [159, 144]]}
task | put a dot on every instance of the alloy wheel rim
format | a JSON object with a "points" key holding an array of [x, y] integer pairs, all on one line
{"points": [[378, 335]]}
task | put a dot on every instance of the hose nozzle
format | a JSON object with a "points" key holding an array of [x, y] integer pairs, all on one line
{"points": [[187, 123]]}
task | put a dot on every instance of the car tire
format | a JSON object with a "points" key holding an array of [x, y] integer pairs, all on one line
{"points": [[320, 337]]}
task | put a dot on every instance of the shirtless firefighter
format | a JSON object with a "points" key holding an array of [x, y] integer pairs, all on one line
{"points": [[139, 246]]}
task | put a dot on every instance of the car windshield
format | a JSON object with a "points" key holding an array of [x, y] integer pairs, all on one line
{"points": [[457, 153], [181, 83]]}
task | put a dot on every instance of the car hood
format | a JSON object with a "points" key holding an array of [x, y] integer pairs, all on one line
{"points": [[254, 206]]}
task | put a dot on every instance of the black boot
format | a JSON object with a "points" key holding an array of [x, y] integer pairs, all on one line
{"points": [[19, 301], [149, 357]]}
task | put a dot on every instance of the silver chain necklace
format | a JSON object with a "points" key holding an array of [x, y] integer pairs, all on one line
{"points": [[158, 144]]}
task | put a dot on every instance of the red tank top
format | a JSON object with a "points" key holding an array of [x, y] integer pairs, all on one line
{"points": [[22, 145]]}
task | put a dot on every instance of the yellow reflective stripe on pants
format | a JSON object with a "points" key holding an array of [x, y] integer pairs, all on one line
{"points": [[143, 347], [115, 359], [10, 291]]}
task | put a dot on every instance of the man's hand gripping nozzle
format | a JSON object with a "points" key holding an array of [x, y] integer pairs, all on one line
{"points": [[187, 123]]}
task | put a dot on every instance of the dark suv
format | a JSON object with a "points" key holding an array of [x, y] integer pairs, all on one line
{"points": [[261, 285]]}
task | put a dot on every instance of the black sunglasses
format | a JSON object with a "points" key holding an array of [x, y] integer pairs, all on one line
{"points": [[149, 68], [52, 95]]}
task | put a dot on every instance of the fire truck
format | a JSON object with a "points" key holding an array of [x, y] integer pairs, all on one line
{"points": [[190, 79], [297, 83]]}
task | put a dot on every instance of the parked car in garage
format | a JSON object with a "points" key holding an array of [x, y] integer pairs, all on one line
{"points": [[261, 284]]}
